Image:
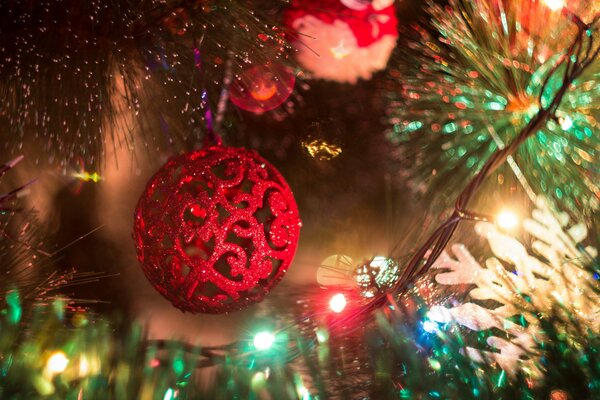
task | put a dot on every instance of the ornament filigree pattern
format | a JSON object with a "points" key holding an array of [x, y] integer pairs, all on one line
{"points": [[216, 229]]}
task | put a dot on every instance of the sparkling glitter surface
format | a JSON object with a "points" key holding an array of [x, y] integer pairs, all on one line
{"points": [[216, 229]]}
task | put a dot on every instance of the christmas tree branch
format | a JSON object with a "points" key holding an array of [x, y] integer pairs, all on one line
{"points": [[429, 252]]}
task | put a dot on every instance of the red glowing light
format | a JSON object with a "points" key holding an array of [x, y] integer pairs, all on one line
{"points": [[262, 88]]}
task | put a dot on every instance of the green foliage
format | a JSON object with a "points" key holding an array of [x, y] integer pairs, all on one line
{"points": [[396, 360], [474, 83]]}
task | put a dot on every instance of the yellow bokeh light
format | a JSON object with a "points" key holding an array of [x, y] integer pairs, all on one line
{"points": [[87, 177], [507, 219], [57, 362], [321, 150]]}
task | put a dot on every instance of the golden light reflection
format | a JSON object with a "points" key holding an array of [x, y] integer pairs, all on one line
{"points": [[319, 149]]}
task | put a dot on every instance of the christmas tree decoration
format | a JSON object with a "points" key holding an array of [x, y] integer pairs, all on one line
{"points": [[531, 285], [321, 150], [481, 87], [343, 40], [376, 276], [370, 278], [216, 229], [262, 87], [323, 140], [494, 66], [337, 270], [96, 360]]}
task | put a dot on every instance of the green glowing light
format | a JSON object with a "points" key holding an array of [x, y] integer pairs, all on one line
{"points": [[413, 126], [501, 379], [169, 394], [178, 365], [322, 335], [14, 307]]}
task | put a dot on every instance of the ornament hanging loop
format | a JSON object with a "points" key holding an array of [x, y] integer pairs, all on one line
{"points": [[212, 139], [213, 125]]}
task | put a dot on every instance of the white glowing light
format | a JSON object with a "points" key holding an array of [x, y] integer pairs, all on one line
{"points": [[439, 314], [555, 5], [507, 220], [430, 326], [566, 123], [379, 261], [264, 340], [57, 362], [337, 303], [303, 392]]}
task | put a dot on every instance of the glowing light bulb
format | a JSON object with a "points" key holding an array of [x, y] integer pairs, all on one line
{"points": [[169, 394], [507, 220], [264, 340], [84, 366], [303, 392], [555, 5], [430, 326], [566, 123], [322, 335], [337, 303], [57, 362]]}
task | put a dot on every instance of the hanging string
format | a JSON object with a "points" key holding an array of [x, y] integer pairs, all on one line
{"points": [[224, 96], [213, 124]]}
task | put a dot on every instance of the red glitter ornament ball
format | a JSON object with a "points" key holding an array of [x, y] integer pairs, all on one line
{"points": [[216, 229], [262, 88]]}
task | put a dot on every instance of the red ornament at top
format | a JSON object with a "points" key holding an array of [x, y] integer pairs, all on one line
{"points": [[343, 40], [216, 229], [262, 87]]}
